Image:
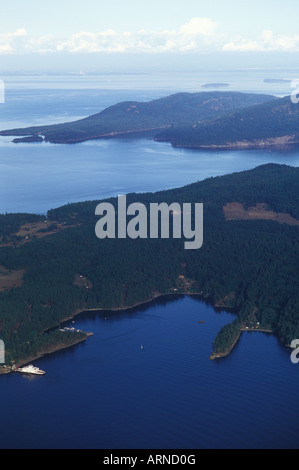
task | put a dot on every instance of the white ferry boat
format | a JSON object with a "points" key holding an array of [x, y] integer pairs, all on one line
{"points": [[30, 369]]}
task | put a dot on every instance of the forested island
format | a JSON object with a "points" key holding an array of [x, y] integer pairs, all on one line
{"points": [[206, 120], [54, 266], [177, 111]]}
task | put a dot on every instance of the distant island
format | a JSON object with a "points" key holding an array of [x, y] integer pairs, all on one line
{"points": [[215, 85], [174, 112], [55, 267], [207, 120], [277, 80]]}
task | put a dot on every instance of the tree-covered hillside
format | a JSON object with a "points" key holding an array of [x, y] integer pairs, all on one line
{"points": [[275, 123], [180, 109], [251, 266]]}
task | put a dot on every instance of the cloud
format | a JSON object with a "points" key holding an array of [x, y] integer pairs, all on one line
{"points": [[85, 41], [191, 36], [140, 41], [202, 26], [6, 49], [19, 33], [199, 35], [267, 41], [241, 46], [10, 42]]}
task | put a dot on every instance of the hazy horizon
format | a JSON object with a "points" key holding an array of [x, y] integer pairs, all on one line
{"points": [[96, 37]]}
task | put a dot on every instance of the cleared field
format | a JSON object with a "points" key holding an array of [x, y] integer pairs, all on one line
{"points": [[31, 231], [236, 211], [10, 279]]}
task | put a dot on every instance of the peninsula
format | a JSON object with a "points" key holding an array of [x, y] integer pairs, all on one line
{"points": [[213, 120], [132, 117], [54, 267]]}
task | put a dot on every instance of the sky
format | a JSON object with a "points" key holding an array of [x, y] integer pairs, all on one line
{"points": [[112, 34]]}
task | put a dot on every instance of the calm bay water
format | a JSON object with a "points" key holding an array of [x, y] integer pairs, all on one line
{"points": [[38, 177], [109, 392]]}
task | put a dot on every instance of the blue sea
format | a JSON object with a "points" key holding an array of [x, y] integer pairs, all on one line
{"points": [[144, 378]]}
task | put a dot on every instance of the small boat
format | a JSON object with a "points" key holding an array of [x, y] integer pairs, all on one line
{"points": [[30, 369]]}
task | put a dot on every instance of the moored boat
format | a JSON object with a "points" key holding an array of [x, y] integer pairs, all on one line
{"points": [[30, 369]]}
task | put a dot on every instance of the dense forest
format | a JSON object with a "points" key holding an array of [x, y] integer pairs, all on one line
{"points": [[250, 266], [274, 123], [180, 109]]}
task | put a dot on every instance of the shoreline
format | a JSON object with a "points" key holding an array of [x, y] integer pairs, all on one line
{"points": [[241, 146], [225, 353], [36, 137], [212, 356], [8, 369], [272, 143], [23, 362]]}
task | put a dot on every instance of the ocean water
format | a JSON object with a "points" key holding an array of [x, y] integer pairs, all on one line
{"points": [[39, 176], [144, 379]]}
